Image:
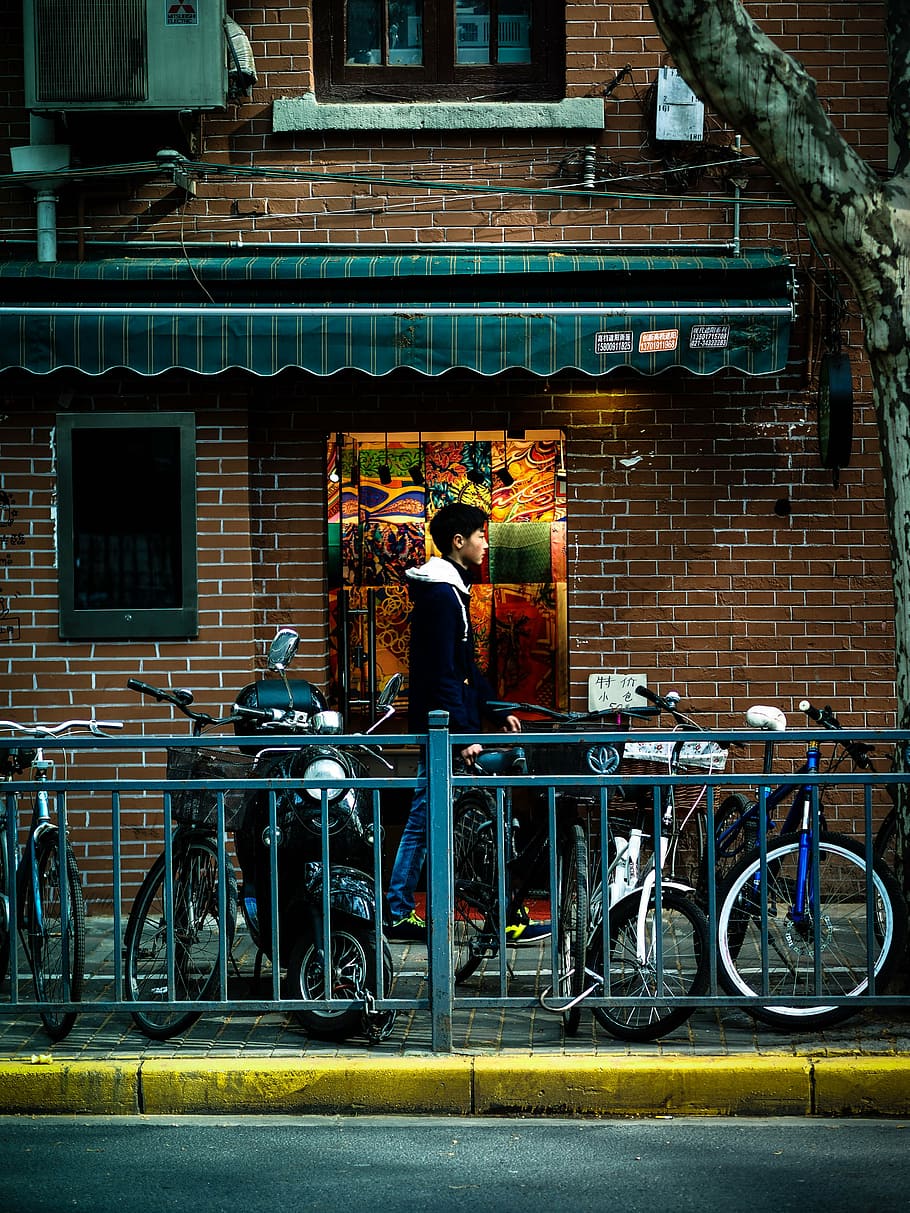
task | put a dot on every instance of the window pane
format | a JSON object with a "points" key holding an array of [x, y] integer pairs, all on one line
{"points": [[363, 39], [473, 26], [515, 32], [472, 31], [126, 519], [405, 31]]}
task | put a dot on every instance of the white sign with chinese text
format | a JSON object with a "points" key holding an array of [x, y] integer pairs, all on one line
{"points": [[607, 692]]}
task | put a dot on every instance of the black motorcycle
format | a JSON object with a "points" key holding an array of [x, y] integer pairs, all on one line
{"points": [[283, 836]]}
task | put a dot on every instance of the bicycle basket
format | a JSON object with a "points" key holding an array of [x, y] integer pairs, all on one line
{"points": [[199, 806], [653, 758]]}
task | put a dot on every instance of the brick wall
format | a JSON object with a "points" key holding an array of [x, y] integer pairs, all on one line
{"points": [[695, 536]]}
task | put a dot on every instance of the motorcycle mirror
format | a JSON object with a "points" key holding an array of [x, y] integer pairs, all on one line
{"points": [[386, 702], [389, 692], [282, 649]]}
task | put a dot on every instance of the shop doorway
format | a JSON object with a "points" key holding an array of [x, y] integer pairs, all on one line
{"points": [[383, 489]]}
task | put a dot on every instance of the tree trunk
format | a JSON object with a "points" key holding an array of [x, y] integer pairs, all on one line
{"points": [[891, 394], [861, 220]]}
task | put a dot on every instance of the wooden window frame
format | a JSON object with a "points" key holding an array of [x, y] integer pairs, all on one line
{"points": [[439, 78]]}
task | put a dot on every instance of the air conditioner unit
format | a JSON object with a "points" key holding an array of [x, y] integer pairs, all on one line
{"points": [[125, 55]]}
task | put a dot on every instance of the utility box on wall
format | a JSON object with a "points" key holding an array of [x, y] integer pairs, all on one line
{"points": [[132, 54], [680, 115]]}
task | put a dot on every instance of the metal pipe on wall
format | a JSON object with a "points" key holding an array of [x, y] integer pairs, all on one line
{"points": [[46, 223]]}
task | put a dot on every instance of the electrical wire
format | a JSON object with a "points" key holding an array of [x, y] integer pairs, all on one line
{"points": [[208, 169]]}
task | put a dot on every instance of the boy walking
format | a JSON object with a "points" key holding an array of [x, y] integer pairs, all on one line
{"points": [[443, 676]]}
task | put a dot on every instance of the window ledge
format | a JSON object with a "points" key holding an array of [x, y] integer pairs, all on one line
{"points": [[307, 114]]}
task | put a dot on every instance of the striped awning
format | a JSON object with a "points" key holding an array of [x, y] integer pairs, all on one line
{"points": [[326, 311]]}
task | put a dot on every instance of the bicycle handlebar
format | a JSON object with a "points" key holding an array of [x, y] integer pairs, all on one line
{"points": [[57, 730], [857, 750], [663, 703], [604, 714], [180, 699], [823, 716]]}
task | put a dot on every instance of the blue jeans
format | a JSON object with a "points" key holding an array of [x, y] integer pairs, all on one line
{"points": [[412, 852]]}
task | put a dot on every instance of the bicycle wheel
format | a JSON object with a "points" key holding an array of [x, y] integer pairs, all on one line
{"points": [[885, 846], [475, 934], [56, 946], [685, 855], [353, 965], [836, 923], [5, 890], [684, 940], [735, 833], [572, 875], [196, 936]]}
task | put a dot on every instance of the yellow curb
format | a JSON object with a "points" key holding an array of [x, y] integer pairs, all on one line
{"points": [[862, 1086], [101, 1087], [461, 1085], [640, 1086], [344, 1084]]}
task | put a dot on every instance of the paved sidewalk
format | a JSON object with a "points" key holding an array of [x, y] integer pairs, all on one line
{"points": [[515, 1062]]}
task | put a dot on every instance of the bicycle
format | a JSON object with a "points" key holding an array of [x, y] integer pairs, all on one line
{"points": [[683, 805], [652, 954], [173, 934], [44, 903], [484, 828], [736, 821], [798, 914], [180, 932]]}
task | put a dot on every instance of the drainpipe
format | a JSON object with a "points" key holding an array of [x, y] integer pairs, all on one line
{"points": [[737, 206], [47, 225], [37, 162]]}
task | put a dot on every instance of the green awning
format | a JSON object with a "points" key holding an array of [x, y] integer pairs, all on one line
{"points": [[325, 311]]}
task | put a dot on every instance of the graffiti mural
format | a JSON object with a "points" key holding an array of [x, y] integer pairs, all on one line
{"points": [[381, 497]]}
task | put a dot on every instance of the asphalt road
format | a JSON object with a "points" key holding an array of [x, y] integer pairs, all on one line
{"points": [[336, 1164]]}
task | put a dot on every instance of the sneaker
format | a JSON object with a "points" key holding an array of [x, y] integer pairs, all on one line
{"points": [[521, 933], [412, 927]]}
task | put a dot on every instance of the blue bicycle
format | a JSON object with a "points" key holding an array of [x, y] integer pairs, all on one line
{"points": [[806, 920]]}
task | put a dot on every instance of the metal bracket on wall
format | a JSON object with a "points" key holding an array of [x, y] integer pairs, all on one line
{"points": [[171, 163]]}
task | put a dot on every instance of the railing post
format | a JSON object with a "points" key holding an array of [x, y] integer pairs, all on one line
{"points": [[440, 896]]}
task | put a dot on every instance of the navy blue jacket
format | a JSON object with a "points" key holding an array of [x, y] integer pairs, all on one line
{"points": [[443, 675]]}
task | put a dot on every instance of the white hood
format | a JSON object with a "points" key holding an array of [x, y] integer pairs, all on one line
{"points": [[438, 570]]}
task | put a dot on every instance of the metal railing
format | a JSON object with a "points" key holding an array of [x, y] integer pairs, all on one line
{"points": [[107, 819]]}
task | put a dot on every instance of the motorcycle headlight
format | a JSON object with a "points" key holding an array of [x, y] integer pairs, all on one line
{"points": [[331, 770]]}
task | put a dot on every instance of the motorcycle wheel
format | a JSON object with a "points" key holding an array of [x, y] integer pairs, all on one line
{"points": [[353, 972]]}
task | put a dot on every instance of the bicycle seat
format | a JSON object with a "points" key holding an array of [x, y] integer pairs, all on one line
{"points": [[510, 760]]}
